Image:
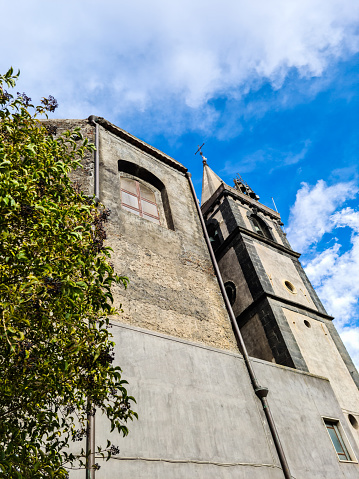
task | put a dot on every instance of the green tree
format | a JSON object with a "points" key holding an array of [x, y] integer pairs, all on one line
{"points": [[56, 353]]}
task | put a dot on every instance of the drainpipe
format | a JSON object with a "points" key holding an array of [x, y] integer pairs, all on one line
{"points": [[90, 429], [93, 121], [260, 391], [90, 445]]}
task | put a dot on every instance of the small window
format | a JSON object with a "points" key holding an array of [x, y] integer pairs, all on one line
{"points": [[139, 200], [353, 421], [214, 236], [290, 287], [333, 428], [231, 291]]}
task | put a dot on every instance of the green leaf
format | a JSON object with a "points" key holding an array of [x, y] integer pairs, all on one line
{"points": [[55, 297]]}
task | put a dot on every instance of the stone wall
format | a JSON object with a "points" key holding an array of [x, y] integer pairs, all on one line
{"points": [[172, 286]]}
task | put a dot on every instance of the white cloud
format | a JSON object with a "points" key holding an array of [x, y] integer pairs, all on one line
{"points": [[134, 55], [336, 278], [346, 217], [321, 267], [311, 215], [333, 272]]}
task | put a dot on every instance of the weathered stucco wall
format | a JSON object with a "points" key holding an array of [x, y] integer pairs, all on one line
{"points": [[172, 285], [244, 213], [223, 227]]}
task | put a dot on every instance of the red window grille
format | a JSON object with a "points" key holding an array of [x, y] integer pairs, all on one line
{"points": [[139, 199]]}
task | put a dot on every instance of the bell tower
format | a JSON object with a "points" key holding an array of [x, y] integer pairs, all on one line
{"points": [[279, 314]]}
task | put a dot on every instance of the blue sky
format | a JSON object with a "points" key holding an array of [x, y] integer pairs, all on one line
{"points": [[270, 86]]}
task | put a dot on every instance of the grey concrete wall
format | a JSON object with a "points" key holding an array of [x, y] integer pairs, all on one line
{"points": [[299, 401], [198, 414], [199, 417]]}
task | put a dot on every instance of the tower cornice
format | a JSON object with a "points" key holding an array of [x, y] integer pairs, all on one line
{"points": [[225, 190], [312, 313], [141, 145], [244, 231]]}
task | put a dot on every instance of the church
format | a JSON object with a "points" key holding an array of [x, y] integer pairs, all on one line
{"points": [[236, 367]]}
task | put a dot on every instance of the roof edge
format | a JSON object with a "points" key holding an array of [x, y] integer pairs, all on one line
{"points": [[140, 144]]}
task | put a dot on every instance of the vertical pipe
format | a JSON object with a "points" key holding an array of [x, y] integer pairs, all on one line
{"points": [[93, 120], [260, 391], [97, 163], [90, 432], [90, 445]]}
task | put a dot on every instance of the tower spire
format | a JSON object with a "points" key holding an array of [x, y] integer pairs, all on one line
{"points": [[210, 182]]}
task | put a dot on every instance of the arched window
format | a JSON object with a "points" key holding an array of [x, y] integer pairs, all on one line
{"points": [[260, 227], [144, 194], [231, 291], [139, 199]]}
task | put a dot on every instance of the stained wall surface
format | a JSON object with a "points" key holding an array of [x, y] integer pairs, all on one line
{"points": [[172, 287], [255, 339], [235, 274]]}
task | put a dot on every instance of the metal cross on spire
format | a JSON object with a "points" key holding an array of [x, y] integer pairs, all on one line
{"points": [[200, 152]]}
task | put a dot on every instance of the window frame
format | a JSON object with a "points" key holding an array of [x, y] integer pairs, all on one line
{"points": [[289, 286], [140, 199], [128, 169], [348, 452]]}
